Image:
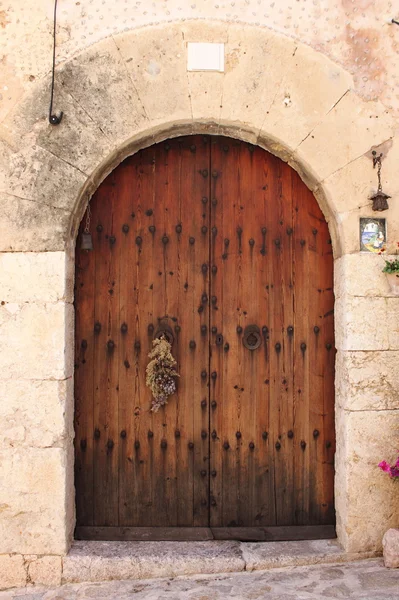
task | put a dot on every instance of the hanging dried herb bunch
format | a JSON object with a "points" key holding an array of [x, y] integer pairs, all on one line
{"points": [[161, 373]]}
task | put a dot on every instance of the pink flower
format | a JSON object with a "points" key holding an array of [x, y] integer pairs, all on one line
{"points": [[392, 470]]}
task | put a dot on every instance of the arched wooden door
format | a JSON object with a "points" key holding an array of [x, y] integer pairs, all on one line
{"points": [[222, 242]]}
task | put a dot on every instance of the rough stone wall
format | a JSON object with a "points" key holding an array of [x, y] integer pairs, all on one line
{"points": [[356, 34], [316, 83]]}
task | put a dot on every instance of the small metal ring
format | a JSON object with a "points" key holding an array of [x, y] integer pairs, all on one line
{"points": [[164, 330], [252, 338]]}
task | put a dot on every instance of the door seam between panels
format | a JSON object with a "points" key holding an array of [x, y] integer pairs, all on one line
{"points": [[209, 322]]}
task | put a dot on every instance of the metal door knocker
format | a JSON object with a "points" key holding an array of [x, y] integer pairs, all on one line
{"points": [[252, 338], [164, 330]]}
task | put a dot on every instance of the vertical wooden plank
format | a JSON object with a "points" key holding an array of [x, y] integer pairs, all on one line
{"points": [[302, 390], [84, 365], [281, 317], [195, 304], [135, 179], [262, 183], [225, 457], [315, 233], [167, 163], [327, 440], [106, 357], [144, 264], [239, 453]]}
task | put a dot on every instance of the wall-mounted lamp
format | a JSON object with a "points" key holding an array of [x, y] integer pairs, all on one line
{"points": [[380, 198], [87, 242]]}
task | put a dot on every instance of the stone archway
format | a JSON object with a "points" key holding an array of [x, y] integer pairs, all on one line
{"points": [[126, 93]]}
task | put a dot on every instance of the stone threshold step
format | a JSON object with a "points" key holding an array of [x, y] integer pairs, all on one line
{"points": [[92, 561]]}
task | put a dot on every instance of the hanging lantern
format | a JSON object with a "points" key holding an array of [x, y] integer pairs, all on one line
{"points": [[86, 241], [380, 198], [380, 201]]}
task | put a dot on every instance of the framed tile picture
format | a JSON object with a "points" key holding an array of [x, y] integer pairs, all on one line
{"points": [[373, 235]]}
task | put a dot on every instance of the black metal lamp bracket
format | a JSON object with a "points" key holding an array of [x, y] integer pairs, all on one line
{"points": [[53, 118]]}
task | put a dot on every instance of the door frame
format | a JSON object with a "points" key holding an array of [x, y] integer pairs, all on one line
{"points": [[206, 533]]}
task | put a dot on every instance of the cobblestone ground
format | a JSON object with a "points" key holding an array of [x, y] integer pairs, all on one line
{"points": [[367, 579]]}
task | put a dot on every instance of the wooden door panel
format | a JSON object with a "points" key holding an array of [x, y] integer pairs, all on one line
{"points": [[151, 243], [274, 270], [207, 235]]}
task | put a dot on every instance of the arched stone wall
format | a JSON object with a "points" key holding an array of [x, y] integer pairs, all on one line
{"points": [[129, 91], [134, 86]]}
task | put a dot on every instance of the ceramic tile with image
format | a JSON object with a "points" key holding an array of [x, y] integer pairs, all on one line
{"points": [[373, 235]]}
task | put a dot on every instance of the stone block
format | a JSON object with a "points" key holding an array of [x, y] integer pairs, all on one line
{"points": [[390, 545], [206, 94], [392, 321], [12, 571], [368, 323], [33, 492], [34, 174], [39, 340], [99, 82], [78, 141], [35, 413], [367, 501], [44, 570], [347, 127], [34, 277], [298, 105], [360, 274], [9, 80], [102, 561], [271, 555], [28, 226], [367, 380], [247, 93], [156, 62]]}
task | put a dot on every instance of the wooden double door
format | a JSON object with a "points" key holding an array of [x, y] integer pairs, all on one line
{"points": [[220, 244]]}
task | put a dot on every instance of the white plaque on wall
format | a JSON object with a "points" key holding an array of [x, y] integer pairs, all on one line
{"points": [[205, 57]]}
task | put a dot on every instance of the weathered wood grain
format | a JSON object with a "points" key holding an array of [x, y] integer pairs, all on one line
{"points": [[207, 235]]}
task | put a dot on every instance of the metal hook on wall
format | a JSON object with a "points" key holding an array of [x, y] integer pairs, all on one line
{"points": [[53, 118]]}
